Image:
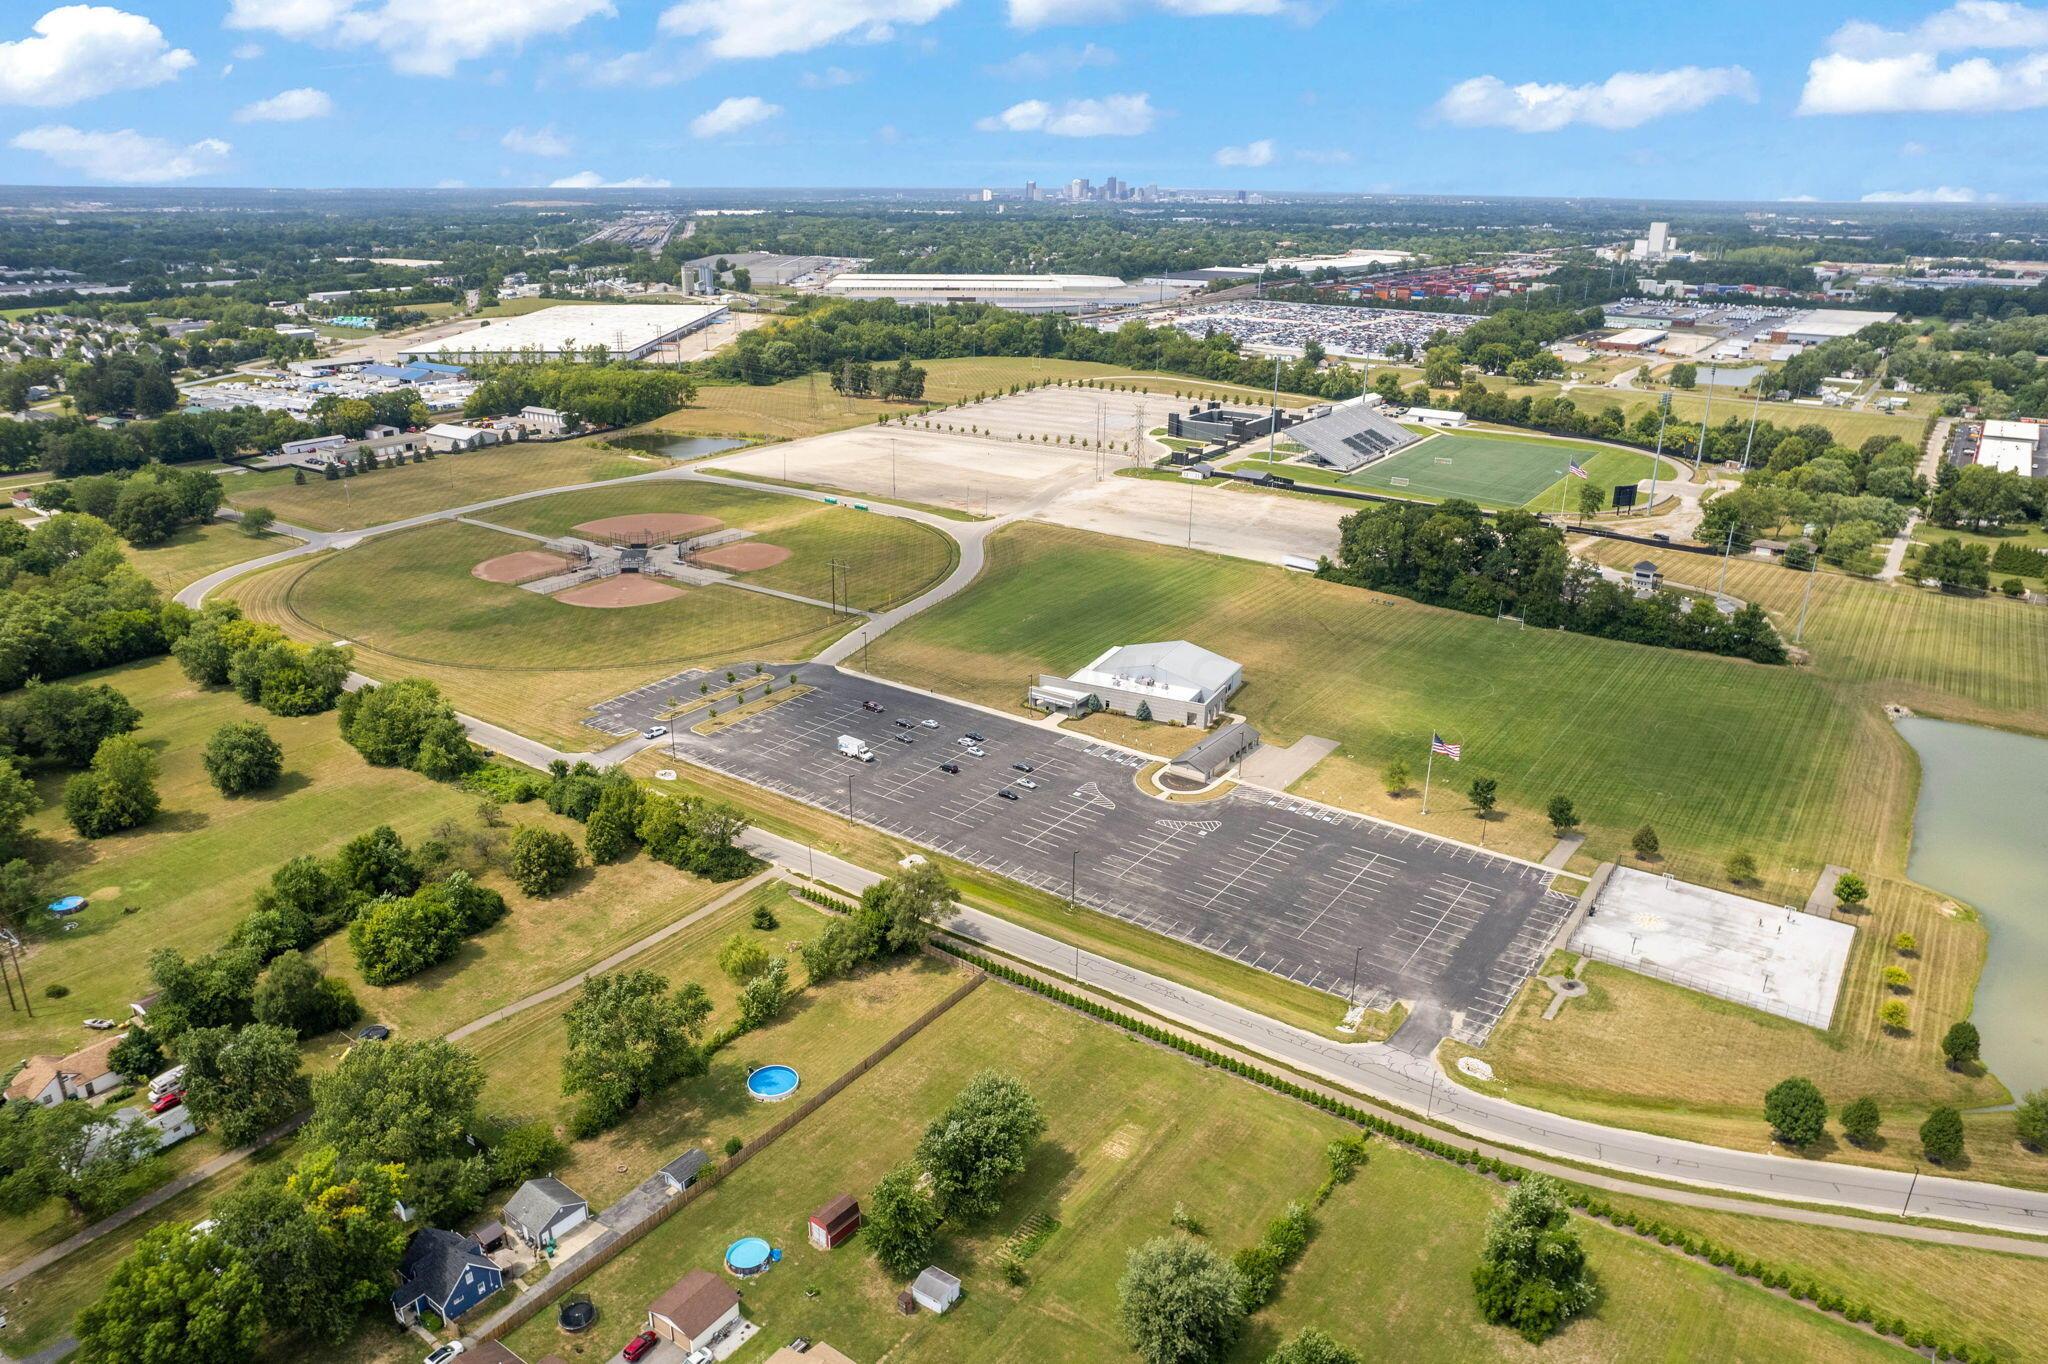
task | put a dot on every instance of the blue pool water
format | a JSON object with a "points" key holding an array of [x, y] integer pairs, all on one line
{"points": [[748, 1255], [773, 1082]]}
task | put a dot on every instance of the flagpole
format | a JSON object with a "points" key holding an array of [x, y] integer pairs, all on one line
{"points": [[1427, 768]]}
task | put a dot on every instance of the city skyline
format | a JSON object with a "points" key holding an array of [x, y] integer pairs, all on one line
{"points": [[1881, 101]]}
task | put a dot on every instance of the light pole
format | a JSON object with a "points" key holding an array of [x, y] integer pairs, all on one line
{"points": [[1074, 881], [1357, 952]]}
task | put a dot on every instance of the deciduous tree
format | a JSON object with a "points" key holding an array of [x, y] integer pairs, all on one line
{"points": [[180, 1297], [1532, 1274], [979, 1144], [1178, 1302], [1796, 1111]]}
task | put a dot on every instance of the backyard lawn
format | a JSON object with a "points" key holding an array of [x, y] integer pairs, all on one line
{"points": [[1132, 1132]]}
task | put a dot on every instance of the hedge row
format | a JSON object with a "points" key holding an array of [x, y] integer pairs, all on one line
{"points": [[1795, 1285]]}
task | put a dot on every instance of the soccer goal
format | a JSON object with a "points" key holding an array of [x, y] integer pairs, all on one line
{"points": [[1398, 482], [1443, 459]]}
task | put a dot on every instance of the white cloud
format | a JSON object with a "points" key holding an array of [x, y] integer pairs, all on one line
{"points": [[247, 52], [125, 157], [1870, 69], [1917, 82], [1626, 99], [1259, 153], [1056, 61], [592, 180], [831, 78], [1940, 194], [770, 28], [287, 106], [1966, 24], [1041, 13], [1110, 116], [537, 142], [641, 70], [417, 39], [1911, 148], [731, 114], [82, 51]]}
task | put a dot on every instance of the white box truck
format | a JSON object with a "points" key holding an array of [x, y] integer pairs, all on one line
{"points": [[850, 747]]}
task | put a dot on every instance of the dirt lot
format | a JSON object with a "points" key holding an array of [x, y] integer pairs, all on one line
{"points": [[743, 557], [521, 566], [1092, 414], [628, 589], [933, 467], [650, 526]]}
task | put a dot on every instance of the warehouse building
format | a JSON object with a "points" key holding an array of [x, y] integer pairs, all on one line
{"points": [[624, 331], [1817, 325], [1020, 293], [2014, 448], [1172, 681], [1631, 339]]}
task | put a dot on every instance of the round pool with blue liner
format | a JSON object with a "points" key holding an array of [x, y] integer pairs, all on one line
{"points": [[773, 1082], [749, 1255]]}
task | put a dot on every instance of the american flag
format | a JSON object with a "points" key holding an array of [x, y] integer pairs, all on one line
{"points": [[1451, 751], [1577, 472]]}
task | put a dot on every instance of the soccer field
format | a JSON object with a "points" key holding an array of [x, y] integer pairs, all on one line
{"points": [[1494, 471]]}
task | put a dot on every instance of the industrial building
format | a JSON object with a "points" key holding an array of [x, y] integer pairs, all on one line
{"points": [[626, 331], [1172, 681], [1630, 339], [2014, 448], [1817, 325], [1021, 293]]}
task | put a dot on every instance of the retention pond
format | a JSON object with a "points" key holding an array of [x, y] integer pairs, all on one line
{"points": [[1980, 833]]}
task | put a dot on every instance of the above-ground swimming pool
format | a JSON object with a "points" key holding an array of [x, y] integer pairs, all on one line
{"points": [[773, 1082], [749, 1255]]}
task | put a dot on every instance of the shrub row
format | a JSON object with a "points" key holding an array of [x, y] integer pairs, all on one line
{"points": [[1799, 1286]]}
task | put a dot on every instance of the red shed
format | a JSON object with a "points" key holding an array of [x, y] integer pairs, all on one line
{"points": [[834, 1222]]}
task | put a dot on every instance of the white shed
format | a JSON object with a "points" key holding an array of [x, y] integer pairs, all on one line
{"points": [[935, 1290]]}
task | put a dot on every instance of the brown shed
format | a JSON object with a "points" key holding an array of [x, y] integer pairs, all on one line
{"points": [[835, 1222]]}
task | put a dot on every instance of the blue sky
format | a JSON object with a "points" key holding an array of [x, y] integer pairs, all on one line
{"points": [[1715, 99]]}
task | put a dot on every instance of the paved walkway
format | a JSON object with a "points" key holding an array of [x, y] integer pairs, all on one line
{"points": [[618, 958], [1411, 1085]]}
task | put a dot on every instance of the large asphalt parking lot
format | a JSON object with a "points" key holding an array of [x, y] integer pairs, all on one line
{"points": [[1280, 884]]}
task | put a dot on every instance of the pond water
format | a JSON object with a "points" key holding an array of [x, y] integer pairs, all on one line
{"points": [[1980, 833], [681, 447]]}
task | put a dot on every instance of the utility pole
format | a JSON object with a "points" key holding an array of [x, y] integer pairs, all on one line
{"points": [[1657, 461], [1273, 417], [1706, 413], [1074, 881]]}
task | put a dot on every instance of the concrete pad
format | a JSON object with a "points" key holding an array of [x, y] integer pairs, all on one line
{"points": [[1768, 957], [1280, 767]]}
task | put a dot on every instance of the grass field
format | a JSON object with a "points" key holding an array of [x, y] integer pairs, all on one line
{"points": [[1850, 428], [1991, 1299], [1541, 712], [184, 878], [445, 481], [196, 551], [890, 559], [1499, 470], [823, 1032], [489, 670], [1132, 1131]]}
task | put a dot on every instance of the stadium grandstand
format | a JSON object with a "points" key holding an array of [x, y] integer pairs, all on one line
{"points": [[1351, 437]]}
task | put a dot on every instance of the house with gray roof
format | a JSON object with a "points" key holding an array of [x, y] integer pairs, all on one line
{"points": [[544, 1209]]}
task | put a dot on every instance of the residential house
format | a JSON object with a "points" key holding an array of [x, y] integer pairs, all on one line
{"points": [[544, 1209], [49, 1080], [444, 1273]]}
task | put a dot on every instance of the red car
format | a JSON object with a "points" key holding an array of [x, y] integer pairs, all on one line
{"points": [[168, 1101], [642, 1343]]}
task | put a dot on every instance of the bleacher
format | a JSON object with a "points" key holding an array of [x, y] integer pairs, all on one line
{"points": [[1351, 438]]}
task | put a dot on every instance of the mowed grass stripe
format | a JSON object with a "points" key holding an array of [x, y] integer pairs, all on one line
{"points": [[1719, 755]]}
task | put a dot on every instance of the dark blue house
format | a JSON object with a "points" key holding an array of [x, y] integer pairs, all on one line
{"points": [[443, 1273]]}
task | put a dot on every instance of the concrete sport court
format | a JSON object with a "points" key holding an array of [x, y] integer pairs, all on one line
{"points": [[1770, 957], [1277, 883]]}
